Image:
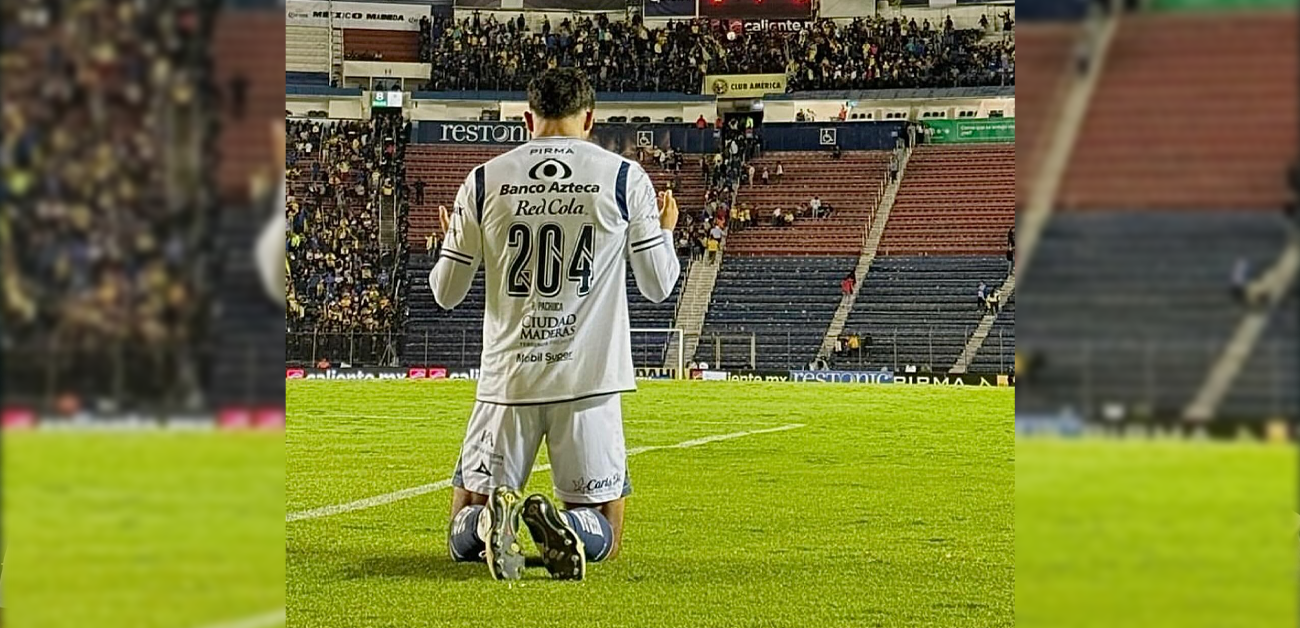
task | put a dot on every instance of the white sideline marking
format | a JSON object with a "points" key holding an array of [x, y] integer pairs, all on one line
{"points": [[416, 491], [265, 620], [631, 421]]}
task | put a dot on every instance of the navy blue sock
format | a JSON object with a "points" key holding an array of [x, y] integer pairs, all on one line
{"points": [[594, 530], [463, 539]]}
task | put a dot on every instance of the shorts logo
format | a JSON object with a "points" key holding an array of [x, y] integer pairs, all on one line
{"points": [[584, 486], [550, 170], [483, 469]]}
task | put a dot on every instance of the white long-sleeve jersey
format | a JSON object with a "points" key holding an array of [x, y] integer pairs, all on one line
{"points": [[555, 222], [269, 252]]}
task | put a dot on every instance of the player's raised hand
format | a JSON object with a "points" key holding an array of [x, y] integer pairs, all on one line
{"points": [[444, 219], [667, 210]]}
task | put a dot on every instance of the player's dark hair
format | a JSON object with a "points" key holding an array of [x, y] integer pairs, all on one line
{"points": [[560, 93]]}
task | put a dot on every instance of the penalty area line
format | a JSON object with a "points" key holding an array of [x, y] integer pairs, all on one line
{"points": [[423, 489]]}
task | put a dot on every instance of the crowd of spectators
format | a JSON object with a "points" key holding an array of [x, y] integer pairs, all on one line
{"points": [[344, 178], [98, 267], [483, 53], [875, 53]]}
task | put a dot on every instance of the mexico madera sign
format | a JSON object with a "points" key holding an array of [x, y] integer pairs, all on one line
{"points": [[367, 15]]}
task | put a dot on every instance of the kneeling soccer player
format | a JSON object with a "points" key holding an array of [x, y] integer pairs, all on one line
{"points": [[554, 222]]}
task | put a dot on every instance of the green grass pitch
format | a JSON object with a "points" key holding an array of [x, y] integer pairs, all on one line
{"points": [[890, 506], [1155, 534], [143, 529]]}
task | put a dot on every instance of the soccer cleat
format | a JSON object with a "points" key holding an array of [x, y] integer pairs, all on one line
{"points": [[499, 526], [561, 547]]}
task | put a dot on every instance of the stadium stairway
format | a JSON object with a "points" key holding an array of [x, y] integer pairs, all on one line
{"points": [[782, 302], [919, 310], [1044, 71], [997, 353], [1130, 309], [981, 333], [699, 280], [1272, 288], [869, 248], [1049, 172], [1266, 384]]}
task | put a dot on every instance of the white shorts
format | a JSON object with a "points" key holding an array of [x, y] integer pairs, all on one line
{"points": [[584, 439]]}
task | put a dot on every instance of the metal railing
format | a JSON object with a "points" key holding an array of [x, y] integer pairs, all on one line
{"points": [[122, 375], [934, 349], [355, 349], [1117, 379]]}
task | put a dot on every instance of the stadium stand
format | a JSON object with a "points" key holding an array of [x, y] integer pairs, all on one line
{"points": [[1145, 143], [1132, 286], [779, 282], [626, 56], [1042, 79], [344, 180], [245, 368], [437, 337], [381, 45], [454, 338], [104, 309], [249, 88], [956, 200], [784, 302], [851, 186], [1103, 332], [442, 169], [303, 46], [919, 310]]}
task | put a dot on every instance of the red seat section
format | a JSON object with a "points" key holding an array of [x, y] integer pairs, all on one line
{"points": [[1194, 111], [849, 185], [443, 169], [398, 46], [954, 200], [1042, 69], [243, 41]]}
